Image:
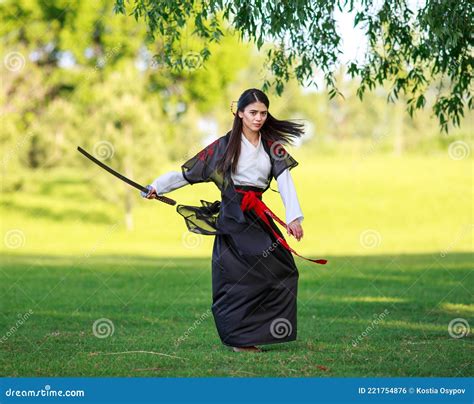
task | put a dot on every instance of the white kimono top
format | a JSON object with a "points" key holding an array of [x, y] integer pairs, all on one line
{"points": [[253, 169]]}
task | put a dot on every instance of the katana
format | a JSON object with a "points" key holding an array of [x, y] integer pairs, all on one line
{"points": [[143, 189]]}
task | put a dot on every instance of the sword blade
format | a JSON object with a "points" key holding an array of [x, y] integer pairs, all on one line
{"points": [[134, 184]]}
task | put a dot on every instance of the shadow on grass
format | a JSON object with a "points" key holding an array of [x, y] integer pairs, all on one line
{"points": [[391, 309], [364, 285]]}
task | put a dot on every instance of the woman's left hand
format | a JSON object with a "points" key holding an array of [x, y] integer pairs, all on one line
{"points": [[295, 229]]}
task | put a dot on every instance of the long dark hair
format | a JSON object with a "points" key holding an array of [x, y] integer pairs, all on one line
{"points": [[285, 132]]}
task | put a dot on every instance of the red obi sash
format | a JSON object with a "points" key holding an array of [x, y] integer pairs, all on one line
{"points": [[250, 201]]}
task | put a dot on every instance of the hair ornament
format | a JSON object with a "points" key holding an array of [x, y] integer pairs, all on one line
{"points": [[233, 107]]}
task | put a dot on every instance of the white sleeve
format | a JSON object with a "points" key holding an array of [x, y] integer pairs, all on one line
{"points": [[289, 197], [169, 182]]}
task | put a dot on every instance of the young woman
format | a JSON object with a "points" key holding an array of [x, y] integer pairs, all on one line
{"points": [[254, 276]]}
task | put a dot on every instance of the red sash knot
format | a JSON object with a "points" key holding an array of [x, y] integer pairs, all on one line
{"points": [[250, 201]]}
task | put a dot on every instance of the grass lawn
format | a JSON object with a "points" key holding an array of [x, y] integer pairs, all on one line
{"points": [[152, 302], [397, 234]]}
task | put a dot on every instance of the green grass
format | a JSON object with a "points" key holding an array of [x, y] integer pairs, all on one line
{"points": [[67, 256], [152, 302]]}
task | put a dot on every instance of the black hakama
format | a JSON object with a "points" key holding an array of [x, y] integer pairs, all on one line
{"points": [[254, 294]]}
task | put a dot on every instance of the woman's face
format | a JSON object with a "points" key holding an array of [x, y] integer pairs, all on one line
{"points": [[254, 116]]}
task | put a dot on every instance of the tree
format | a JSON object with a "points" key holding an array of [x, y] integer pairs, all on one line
{"points": [[408, 49], [123, 132], [74, 73]]}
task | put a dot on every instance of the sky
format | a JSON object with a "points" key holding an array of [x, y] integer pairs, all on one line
{"points": [[353, 40]]}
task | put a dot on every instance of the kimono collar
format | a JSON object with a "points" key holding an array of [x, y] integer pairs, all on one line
{"points": [[250, 144]]}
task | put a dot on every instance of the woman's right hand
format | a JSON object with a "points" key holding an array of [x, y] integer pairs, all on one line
{"points": [[152, 194]]}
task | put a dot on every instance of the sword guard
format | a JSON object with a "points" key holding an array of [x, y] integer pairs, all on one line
{"points": [[143, 193]]}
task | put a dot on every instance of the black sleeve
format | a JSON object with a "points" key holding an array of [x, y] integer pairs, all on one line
{"points": [[199, 168]]}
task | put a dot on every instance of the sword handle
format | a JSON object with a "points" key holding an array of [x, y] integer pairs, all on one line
{"points": [[161, 198], [167, 200]]}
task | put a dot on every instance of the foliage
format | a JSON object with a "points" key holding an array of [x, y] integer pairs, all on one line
{"points": [[408, 49]]}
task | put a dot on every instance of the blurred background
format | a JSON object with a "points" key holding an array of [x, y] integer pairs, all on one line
{"points": [[371, 179]]}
